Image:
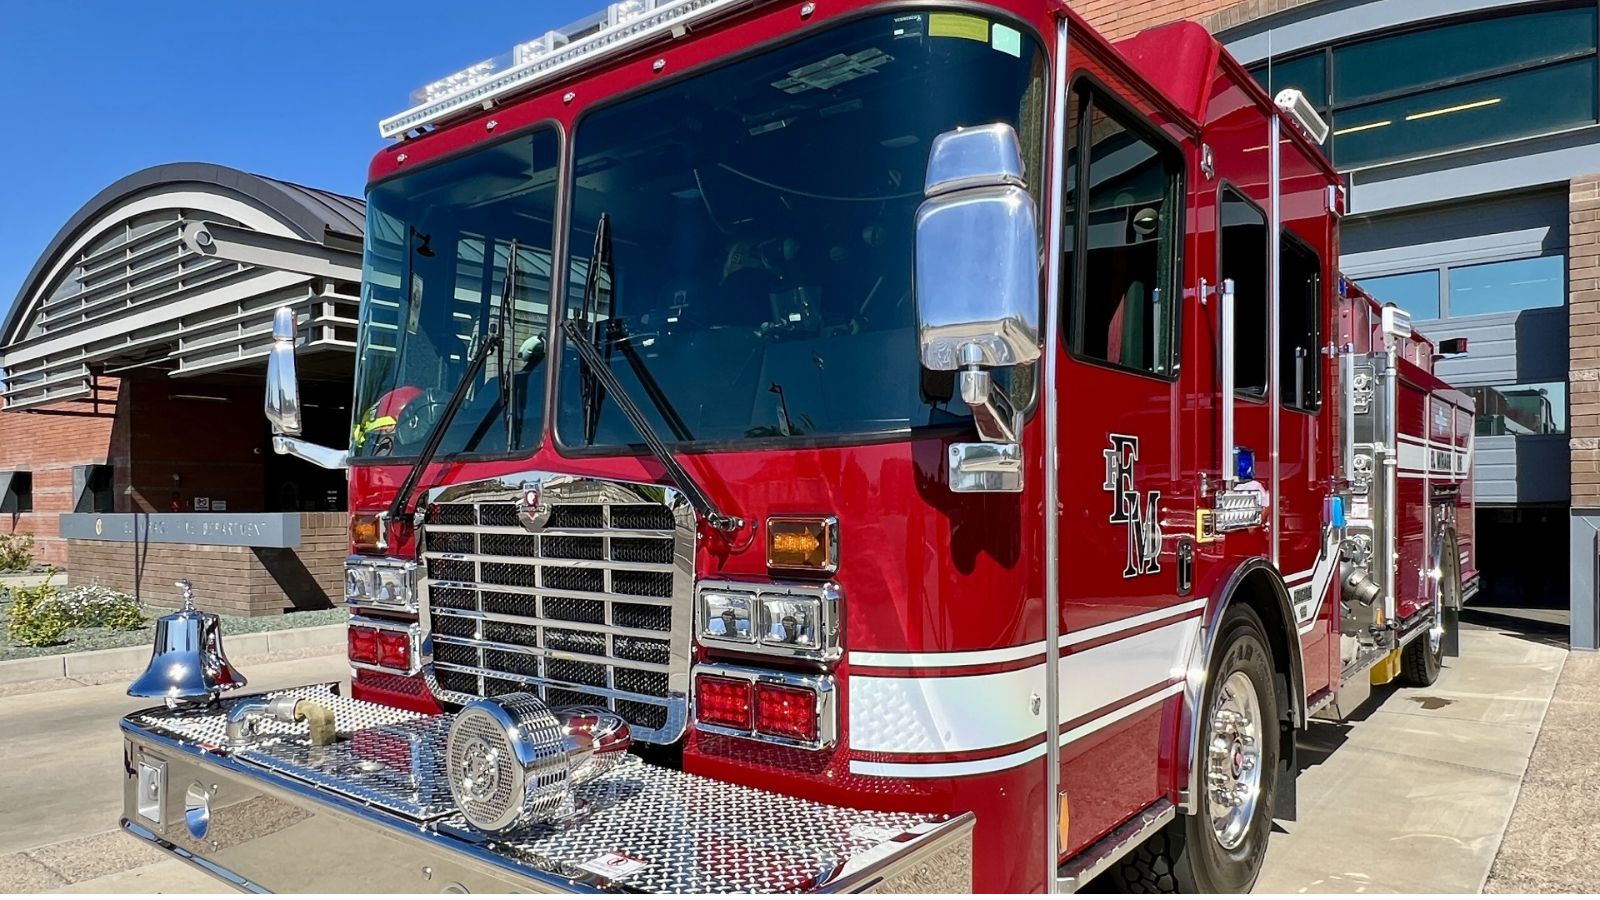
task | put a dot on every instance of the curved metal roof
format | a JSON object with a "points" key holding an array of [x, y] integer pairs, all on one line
{"points": [[313, 213]]}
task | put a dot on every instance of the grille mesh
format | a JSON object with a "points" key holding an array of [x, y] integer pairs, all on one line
{"points": [[556, 612]]}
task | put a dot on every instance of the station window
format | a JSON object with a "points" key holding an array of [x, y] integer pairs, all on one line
{"points": [[1244, 260], [1476, 289], [1451, 85], [92, 489], [1300, 347], [1415, 292], [16, 492], [1127, 233]]}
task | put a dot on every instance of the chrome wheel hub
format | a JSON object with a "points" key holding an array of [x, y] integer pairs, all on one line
{"points": [[1233, 763]]}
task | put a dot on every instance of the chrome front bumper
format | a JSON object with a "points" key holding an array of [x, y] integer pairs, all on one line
{"points": [[372, 813]]}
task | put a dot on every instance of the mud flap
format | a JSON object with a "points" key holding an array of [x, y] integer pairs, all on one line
{"points": [[1285, 799], [1451, 640]]}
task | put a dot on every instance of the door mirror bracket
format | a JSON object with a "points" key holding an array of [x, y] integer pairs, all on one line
{"points": [[283, 398]]}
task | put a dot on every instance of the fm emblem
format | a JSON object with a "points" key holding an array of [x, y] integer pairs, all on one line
{"points": [[1141, 514]]}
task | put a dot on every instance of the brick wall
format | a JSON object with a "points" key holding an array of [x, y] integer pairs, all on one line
{"points": [[1583, 262], [239, 581], [1117, 19], [49, 443]]}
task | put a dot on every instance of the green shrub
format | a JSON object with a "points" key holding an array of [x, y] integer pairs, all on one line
{"points": [[40, 616], [16, 551]]}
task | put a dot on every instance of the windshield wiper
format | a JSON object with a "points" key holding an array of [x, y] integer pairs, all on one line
{"points": [[508, 294], [595, 367], [492, 341]]}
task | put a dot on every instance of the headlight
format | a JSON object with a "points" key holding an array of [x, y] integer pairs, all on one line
{"points": [[728, 616], [794, 620], [380, 583]]}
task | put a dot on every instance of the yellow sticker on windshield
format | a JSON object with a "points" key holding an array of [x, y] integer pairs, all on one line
{"points": [[958, 25]]}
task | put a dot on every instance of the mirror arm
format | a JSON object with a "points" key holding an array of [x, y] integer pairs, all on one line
{"points": [[992, 411], [316, 454]]}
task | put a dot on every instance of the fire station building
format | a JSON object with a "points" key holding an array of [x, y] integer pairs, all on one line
{"points": [[1469, 135], [132, 444]]}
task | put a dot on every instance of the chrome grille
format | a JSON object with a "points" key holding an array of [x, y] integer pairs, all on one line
{"points": [[592, 609]]}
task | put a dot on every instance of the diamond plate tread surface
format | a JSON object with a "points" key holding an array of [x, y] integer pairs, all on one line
{"points": [[671, 831], [697, 835]]}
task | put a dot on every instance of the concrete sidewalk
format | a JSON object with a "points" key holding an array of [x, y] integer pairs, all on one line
{"points": [[1553, 843], [1416, 795]]}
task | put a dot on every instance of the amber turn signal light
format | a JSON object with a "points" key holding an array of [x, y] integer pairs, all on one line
{"points": [[366, 532], [803, 543]]}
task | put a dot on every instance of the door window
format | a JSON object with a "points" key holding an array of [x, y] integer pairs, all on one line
{"points": [[1126, 232], [1244, 259]]}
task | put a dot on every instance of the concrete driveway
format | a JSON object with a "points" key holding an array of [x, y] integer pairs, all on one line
{"points": [[61, 777], [1415, 796]]}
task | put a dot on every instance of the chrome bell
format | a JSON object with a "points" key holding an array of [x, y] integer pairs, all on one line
{"points": [[187, 664]]}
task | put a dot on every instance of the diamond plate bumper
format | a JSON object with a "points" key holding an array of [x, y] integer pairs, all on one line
{"points": [[372, 813]]}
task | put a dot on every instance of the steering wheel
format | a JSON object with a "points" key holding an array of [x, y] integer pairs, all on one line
{"points": [[417, 417]]}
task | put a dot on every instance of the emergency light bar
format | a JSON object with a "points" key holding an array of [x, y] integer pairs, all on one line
{"points": [[620, 26]]}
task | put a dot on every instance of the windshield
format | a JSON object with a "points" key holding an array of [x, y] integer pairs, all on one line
{"points": [[446, 234], [761, 214]]}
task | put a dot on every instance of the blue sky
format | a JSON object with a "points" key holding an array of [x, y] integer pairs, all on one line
{"points": [[288, 88]]}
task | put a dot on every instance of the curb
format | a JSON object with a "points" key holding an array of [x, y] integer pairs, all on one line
{"points": [[88, 663]]}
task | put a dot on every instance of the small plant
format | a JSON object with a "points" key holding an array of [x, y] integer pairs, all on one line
{"points": [[16, 552], [40, 616]]}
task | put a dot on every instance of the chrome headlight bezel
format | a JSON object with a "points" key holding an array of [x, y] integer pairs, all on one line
{"points": [[381, 583], [825, 644]]}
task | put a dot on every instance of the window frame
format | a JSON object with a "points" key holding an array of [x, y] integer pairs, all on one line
{"points": [[1443, 271], [1084, 84], [1225, 185], [1327, 108], [1318, 322], [17, 498]]}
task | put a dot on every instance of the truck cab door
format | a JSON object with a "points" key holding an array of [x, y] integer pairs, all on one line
{"points": [[1126, 505]]}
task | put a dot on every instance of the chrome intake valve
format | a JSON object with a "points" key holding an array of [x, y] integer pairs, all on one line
{"points": [[512, 761], [187, 665]]}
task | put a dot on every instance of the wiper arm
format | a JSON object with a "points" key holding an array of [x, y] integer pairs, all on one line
{"points": [[595, 377], [675, 470], [430, 446], [508, 293]]}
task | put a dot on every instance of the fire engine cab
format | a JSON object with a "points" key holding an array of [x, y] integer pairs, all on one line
{"points": [[834, 445]]}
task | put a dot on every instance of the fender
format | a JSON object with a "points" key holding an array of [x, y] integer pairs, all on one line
{"points": [[1200, 660]]}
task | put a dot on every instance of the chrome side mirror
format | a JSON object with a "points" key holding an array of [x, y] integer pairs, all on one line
{"points": [[977, 288], [283, 386]]}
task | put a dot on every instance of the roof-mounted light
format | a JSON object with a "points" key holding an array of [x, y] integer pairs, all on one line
{"points": [[621, 25], [1294, 104]]}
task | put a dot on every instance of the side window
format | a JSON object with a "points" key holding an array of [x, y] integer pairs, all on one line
{"points": [[1127, 234], [1243, 230], [1299, 293]]}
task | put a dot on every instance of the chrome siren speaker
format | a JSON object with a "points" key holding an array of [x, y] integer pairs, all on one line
{"points": [[187, 664], [511, 761]]}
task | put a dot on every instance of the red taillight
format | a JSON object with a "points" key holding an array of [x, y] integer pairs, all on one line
{"points": [[786, 712], [394, 650], [724, 702], [363, 645]]}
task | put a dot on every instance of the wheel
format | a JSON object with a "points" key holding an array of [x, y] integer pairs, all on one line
{"points": [[1218, 849], [1423, 658]]}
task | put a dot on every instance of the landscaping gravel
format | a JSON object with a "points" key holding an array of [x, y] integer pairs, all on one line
{"points": [[78, 639]]}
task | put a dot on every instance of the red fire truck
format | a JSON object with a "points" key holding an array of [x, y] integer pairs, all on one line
{"points": [[934, 442]]}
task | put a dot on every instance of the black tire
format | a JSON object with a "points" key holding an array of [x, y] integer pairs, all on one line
{"points": [[1186, 856]]}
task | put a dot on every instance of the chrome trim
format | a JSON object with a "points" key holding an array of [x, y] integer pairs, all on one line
{"points": [[1050, 456], [830, 637], [1104, 853], [316, 454], [562, 490], [407, 567], [821, 685], [411, 629], [1274, 338], [830, 526]]}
